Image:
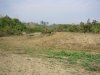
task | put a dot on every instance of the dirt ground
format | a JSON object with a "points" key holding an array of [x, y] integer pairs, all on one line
{"points": [[15, 64], [23, 64]]}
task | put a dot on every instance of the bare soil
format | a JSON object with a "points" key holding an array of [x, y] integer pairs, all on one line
{"points": [[23, 64], [15, 64]]}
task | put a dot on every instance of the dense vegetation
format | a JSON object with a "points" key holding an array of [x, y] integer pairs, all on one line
{"points": [[9, 26], [89, 27], [93, 27]]}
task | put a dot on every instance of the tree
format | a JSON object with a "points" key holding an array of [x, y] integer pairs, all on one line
{"points": [[94, 22], [82, 27], [45, 26], [9, 26], [88, 26]]}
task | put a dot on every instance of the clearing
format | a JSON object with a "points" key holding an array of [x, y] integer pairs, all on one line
{"points": [[62, 53]]}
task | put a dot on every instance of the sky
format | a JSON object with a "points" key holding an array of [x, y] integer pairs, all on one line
{"points": [[52, 11]]}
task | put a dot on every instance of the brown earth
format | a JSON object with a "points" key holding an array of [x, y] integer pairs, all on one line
{"points": [[14, 64], [22, 64]]}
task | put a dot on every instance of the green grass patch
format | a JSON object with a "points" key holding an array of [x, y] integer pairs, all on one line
{"points": [[89, 61]]}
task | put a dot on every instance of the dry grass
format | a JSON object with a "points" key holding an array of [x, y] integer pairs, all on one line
{"points": [[65, 40], [70, 41], [14, 51]]}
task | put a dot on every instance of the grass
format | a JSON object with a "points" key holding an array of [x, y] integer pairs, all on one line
{"points": [[89, 61], [56, 46]]}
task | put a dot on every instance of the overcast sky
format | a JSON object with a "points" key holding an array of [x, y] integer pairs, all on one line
{"points": [[53, 11]]}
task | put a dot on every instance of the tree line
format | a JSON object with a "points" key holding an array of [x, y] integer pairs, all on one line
{"points": [[13, 26], [9, 26]]}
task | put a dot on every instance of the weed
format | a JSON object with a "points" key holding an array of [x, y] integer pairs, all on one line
{"points": [[89, 61]]}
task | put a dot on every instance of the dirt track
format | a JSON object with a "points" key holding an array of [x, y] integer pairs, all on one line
{"points": [[14, 64]]}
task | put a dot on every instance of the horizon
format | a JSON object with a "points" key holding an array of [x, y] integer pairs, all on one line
{"points": [[52, 11]]}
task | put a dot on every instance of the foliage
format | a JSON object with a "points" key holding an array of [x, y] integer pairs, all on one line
{"points": [[87, 60], [10, 26], [89, 27]]}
